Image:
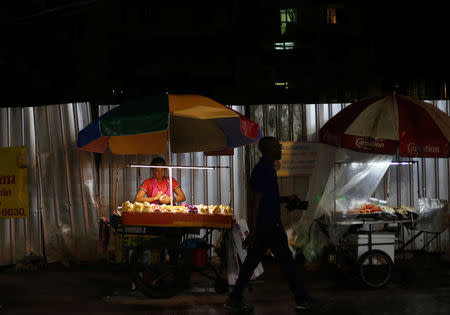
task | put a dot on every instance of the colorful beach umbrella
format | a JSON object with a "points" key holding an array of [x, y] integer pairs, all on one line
{"points": [[188, 123], [384, 124]]}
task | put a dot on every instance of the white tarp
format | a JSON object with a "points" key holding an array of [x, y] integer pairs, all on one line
{"points": [[343, 180]]}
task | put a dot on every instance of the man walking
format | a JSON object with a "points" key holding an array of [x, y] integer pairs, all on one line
{"points": [[266, 231]]}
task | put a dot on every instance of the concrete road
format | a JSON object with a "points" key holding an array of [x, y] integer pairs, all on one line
{"points": [[421, 286]]}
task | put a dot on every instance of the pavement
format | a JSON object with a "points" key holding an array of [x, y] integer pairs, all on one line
{"points": [[420, 285]]}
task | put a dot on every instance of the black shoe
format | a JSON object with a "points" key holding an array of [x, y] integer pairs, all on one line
{"points": [[237, 306]]}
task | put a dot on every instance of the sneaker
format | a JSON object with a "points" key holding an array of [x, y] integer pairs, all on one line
{"points": [[237, 306], [303, 306]]}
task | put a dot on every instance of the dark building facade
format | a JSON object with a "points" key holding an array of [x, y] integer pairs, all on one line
{"points": [[238, 52]]}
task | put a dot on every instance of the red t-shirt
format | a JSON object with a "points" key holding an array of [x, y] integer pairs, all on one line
{"points": [[163, 186]]}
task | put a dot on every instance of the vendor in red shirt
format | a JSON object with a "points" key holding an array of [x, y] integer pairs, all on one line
{"points": [[156, 189]]}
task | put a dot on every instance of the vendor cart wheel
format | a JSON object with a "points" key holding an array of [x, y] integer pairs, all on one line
{"points": [[221, 285], [375, 269], [154, 273]]}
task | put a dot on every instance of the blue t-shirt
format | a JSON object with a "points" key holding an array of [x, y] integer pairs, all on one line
{"points": [[264, 180]]}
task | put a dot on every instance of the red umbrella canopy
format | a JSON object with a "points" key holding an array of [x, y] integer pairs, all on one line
{"points": [[384, 124]]}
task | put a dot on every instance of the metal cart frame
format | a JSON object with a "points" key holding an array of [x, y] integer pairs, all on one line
{"points": [[373, 260], [182, 267]]}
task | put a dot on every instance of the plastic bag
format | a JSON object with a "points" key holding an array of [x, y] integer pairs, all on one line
{"points": [[236, 253], [316, 243], [431, 214]]}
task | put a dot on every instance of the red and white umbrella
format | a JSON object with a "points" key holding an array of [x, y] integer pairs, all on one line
{"points": [[384, 124]]}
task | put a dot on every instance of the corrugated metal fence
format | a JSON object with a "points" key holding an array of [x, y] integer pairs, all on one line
{"points": [[302, 122], [68, 193], [63, 207]]}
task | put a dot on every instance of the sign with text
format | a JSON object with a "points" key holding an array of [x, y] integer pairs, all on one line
{"points": [[298, 158], [13, 183]]}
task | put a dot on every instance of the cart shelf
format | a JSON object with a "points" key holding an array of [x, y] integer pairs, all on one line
{"points": [[219, 221]]}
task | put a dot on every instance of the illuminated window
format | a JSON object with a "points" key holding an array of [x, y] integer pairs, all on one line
{"points": [[331, 14], [282, 84], [284, 45], [287, 16]]}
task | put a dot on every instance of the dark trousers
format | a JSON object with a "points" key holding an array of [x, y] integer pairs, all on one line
{"points": [[275, 238]]}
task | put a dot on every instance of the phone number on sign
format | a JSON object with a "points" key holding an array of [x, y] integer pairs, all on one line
{"points": [[12, 212]]}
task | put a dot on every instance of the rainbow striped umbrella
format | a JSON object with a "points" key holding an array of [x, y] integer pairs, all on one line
{"points": [[181, 123]]}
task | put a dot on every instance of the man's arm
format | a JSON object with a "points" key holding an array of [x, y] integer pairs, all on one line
{"points": [[255, 202]]}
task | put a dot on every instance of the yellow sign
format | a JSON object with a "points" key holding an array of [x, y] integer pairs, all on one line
{"points": [[298, 158], [13, 183]]}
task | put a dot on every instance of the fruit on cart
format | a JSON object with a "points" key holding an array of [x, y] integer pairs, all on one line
{"points": [[179, 209], [203, 209], [214, 209], [157, 208], [127, 206], [191, 209], [226, 210], [147, 207], [138, 206]]}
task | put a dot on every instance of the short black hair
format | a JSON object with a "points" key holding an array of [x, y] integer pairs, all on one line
{"points": [[158, 161], [265, 143]]}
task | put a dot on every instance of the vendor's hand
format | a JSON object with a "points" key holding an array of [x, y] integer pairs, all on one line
{"points": [[158, 195], [249, 241], [164, 199]]}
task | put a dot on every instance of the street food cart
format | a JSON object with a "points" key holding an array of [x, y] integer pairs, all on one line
{"points": [[368, 233], [168, 124], [161, 265], [384, 126]]}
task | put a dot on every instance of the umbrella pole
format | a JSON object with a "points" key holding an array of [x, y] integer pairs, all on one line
{"points": [[169, 150], [388, 188], [169, 147], [171, 186]]}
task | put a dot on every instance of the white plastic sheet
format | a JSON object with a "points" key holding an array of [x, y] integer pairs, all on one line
{"points": [[343, 180]]}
